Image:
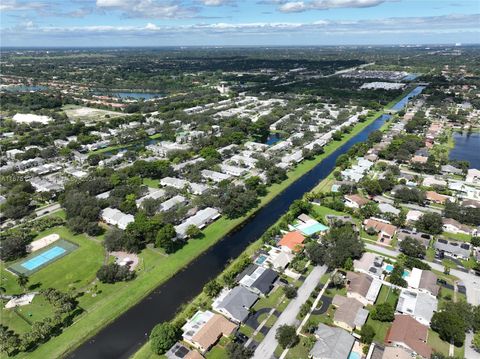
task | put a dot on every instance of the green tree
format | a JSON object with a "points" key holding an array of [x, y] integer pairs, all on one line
{"points": [[290, 291], [286, 336], [22, 281], [367, 334], [476, 341], [193, 231], [238, 351], [412, 248], [449, 326], [212, 288], [384, 312], [430, 223], [165, 237], [163, 337]]}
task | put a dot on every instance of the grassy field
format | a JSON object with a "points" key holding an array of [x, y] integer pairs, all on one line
{"points": [[84, 113]]}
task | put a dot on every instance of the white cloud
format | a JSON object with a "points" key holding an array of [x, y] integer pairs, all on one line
{"points": [[14, 5], [155, 9], [299, 6], [215, 2], [151, 26]]}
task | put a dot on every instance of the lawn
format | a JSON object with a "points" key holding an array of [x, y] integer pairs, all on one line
{"points": [[436, 343], [301, 350], [380, 328], [457, 236], [387, 295], [271, 301]]}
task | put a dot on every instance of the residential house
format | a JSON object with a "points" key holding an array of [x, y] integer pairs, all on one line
{"points": [[204, 329], [180, 351], [413, 215], [278, 259], [453, 226], [434, 197], [419, 305], [473, 176], [396, 353], [200, 220], [449, 169], [386, 208], [332, 343], [408, 333], [215, 176], [385, 230], [432, 181], [172, 202], [235, 303], [423, 238], [355, 201], [423, 280], [117, 218], [258, 279], [370, 264], [363, 287], [153, 193], [418, 159], [349, 313], [292, 242]]}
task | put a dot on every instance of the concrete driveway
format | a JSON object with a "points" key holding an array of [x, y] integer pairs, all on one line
{"points": [[267, 347]]}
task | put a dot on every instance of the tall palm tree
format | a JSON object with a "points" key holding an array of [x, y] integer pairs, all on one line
{"points": [[22, 281]]}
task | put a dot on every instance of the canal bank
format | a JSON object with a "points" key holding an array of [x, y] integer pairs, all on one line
{"points": [[126, 334]]}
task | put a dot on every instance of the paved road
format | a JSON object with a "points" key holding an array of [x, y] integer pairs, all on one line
{"points": [[470, 353], [267, 347], [409, 205], [47, 209], [470, 280]]}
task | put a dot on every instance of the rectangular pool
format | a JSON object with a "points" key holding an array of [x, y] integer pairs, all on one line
{"points": [[43, 258]]}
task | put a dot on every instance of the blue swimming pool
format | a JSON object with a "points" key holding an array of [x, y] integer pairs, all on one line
{"points": [[354, 355], [261, 258], [389, 268], [43, 258], [315, 228]]}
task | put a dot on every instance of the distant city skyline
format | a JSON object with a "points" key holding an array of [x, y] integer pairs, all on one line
{"points": [[100, 23]]}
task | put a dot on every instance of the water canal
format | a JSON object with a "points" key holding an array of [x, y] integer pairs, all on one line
{"points": [[126, 334]]}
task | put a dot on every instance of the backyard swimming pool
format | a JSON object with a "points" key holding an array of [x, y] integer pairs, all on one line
{"points": [[261, 258], [389, 268], [354, 355], [43, 258]]}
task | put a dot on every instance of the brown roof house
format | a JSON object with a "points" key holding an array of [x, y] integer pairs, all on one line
{"points": [[435, 197], [349, 313], [363, 287], [406, 332], [355, 201], [204, 329], [385, 230]]}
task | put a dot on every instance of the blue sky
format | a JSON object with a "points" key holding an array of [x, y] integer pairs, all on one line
{"points": [[237, 22]]}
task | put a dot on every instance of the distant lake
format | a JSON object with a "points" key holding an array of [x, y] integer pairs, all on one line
{"points": [[410, 77], [22, 88], [400, 105], [467, 148], [132, 95]]}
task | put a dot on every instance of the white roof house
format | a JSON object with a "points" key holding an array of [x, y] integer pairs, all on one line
{"points": [[154, 193], [473, 176], [420, 306], [233, 170], [174, 182], [172, 202], [215, 176], [116, 218], [200, 219]]}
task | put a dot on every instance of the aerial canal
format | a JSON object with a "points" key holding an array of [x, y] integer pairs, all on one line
{"points": [[126, 334]]}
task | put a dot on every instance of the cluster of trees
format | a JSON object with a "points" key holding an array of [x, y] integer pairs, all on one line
{"points": [[164, 336], [338, 246], [396, 276], [82, 211], [112, 273], [19, 196], [65, 308], [466, 215], [417, 123], [401, 148], [412, 248], [410, 195], [455, 320], [234, 201], [430, 223]]}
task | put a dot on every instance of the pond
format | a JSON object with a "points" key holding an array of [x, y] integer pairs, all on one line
{"points": [[22, 88], [467, 148], [131, 95]]}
